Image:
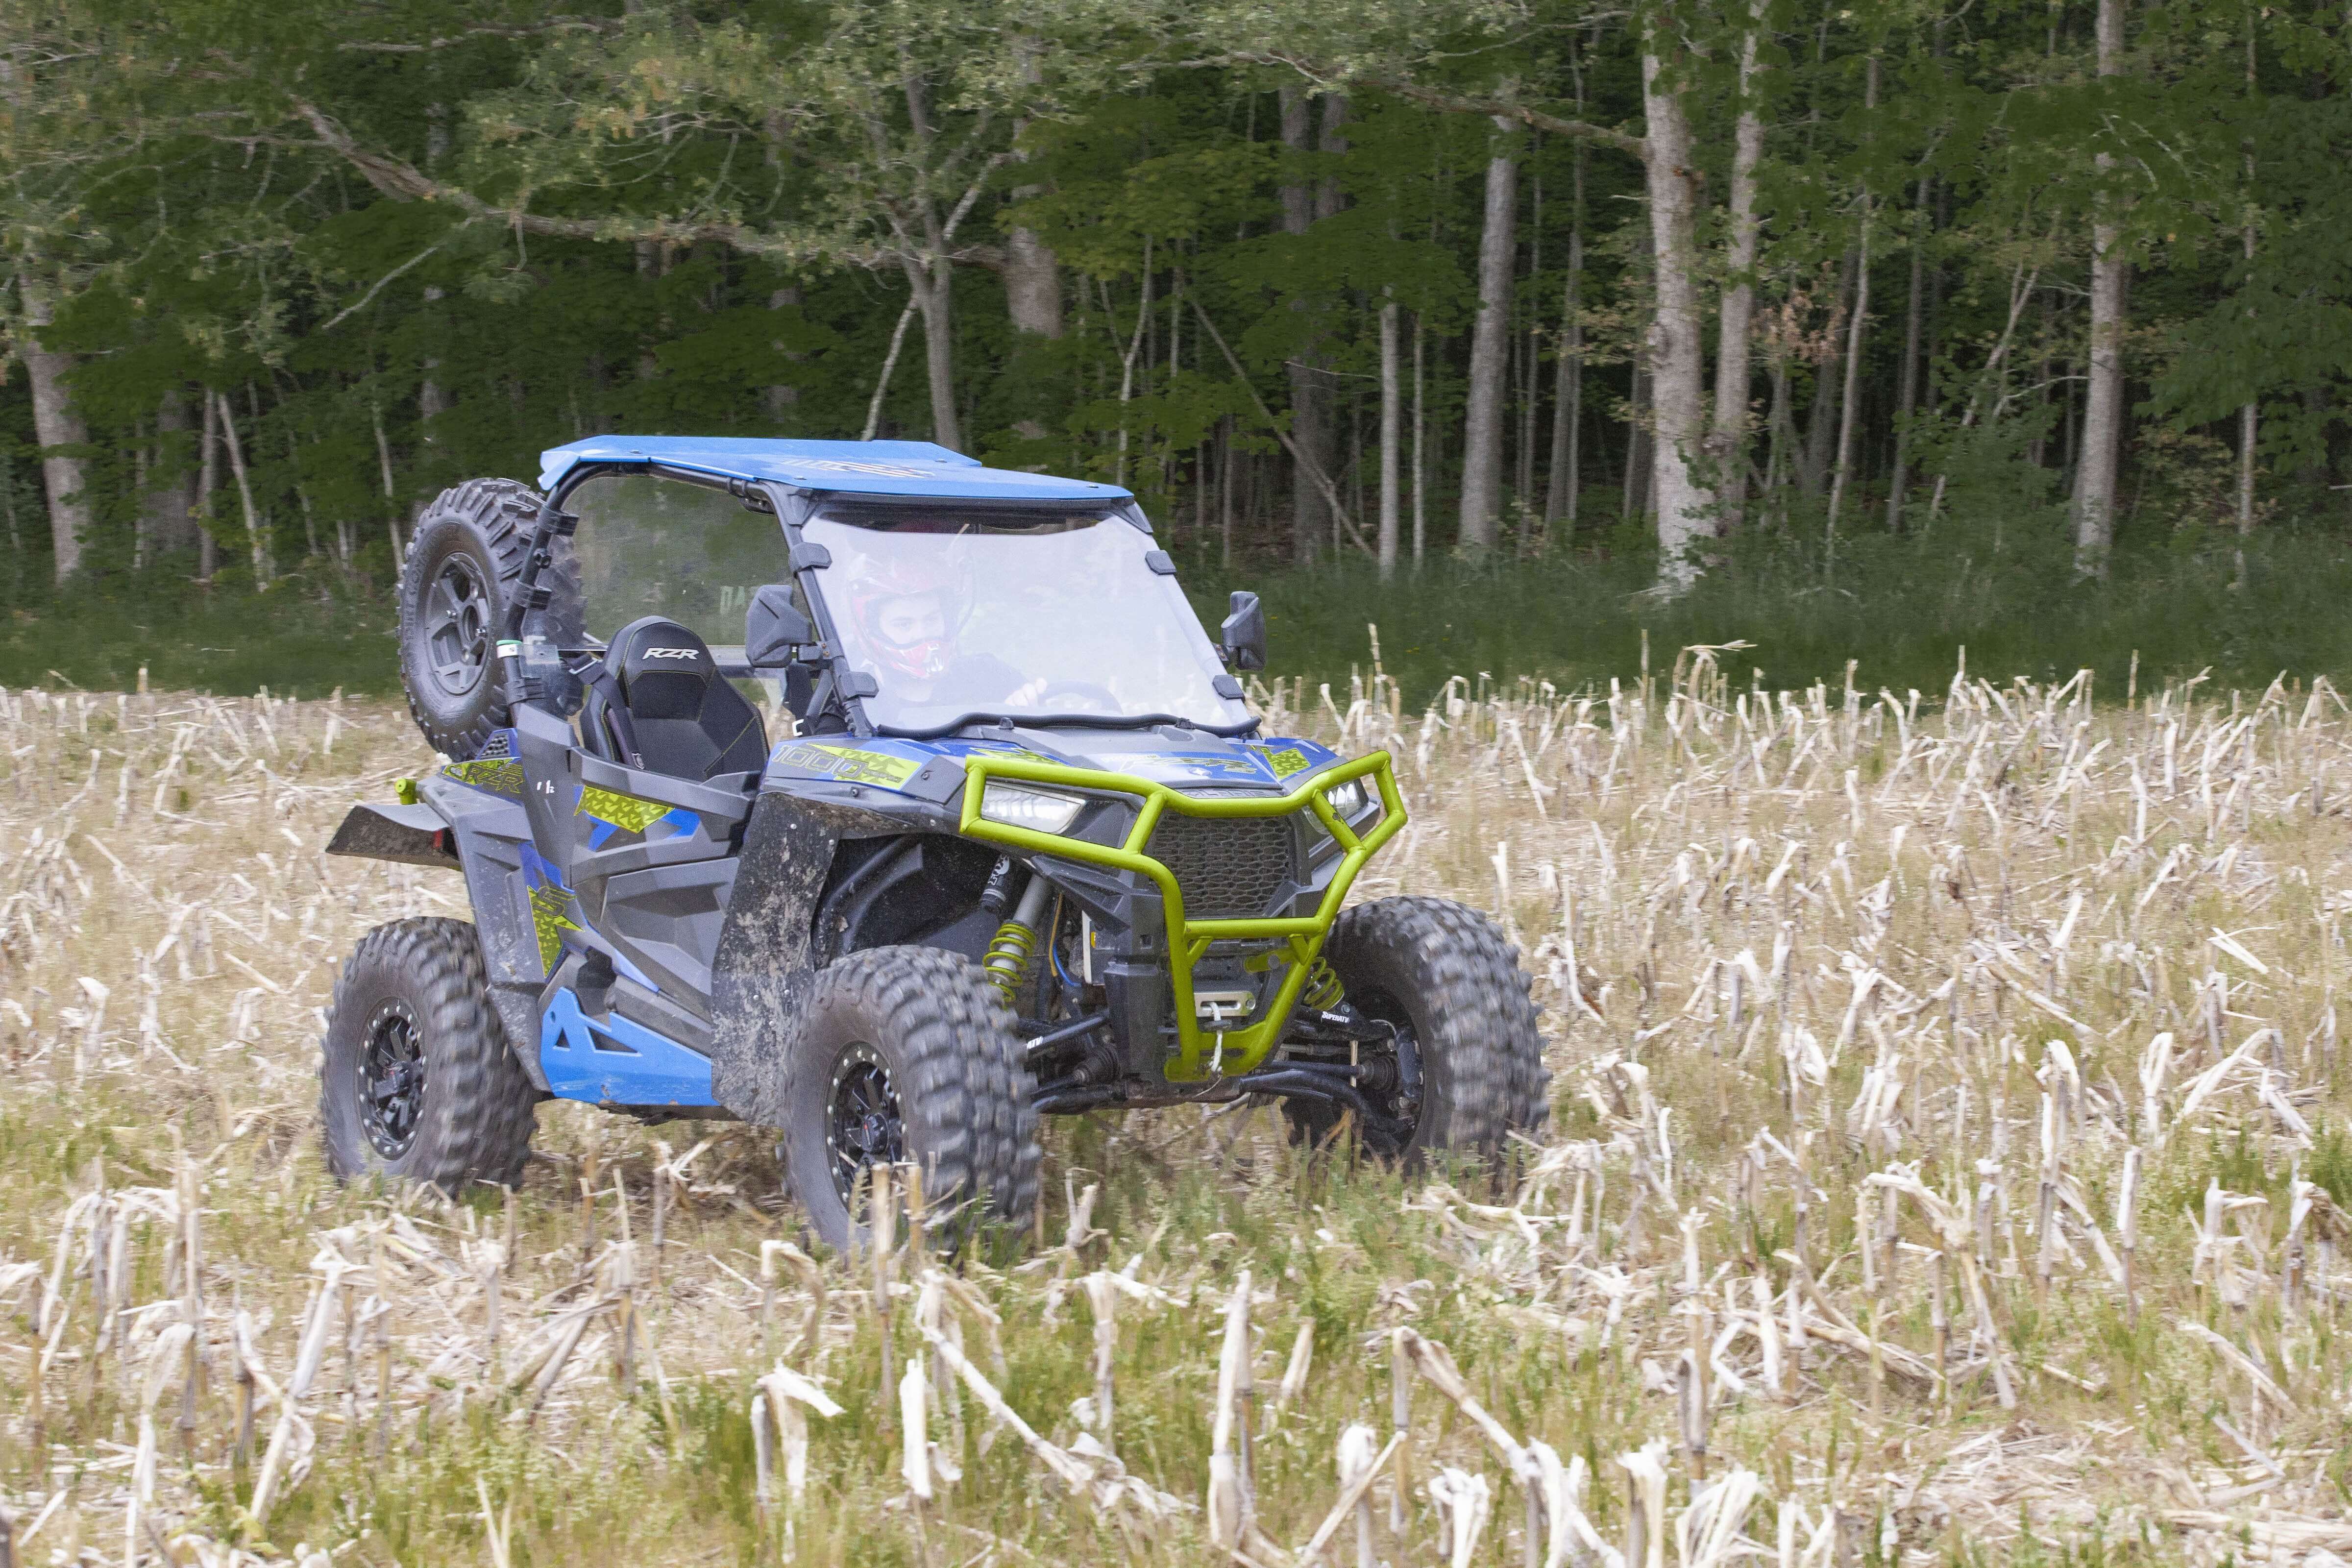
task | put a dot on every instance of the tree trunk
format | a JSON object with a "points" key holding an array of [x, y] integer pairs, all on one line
{"points": [[2103, 411], [1126, 365], [1565, 478], [1311, 391], [208, 484], [432, 401], [1032, 282], [930, 287], [1562, 480], [1391, 421], [1420, 468], [1727, 449], [2249, 411], [1850, 401], [384, 464], [57, 425], [779, 398], [1850, 398], [1227, 459], [1829, 388], [1528, 347], [1481, 428], [254, 537], [1033, 273], [1906, 393], [1685, 502], [1636, 503], [166, 500], [1781, 424]]}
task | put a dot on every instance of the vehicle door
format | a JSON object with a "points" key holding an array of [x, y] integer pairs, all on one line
{"points": [[633, 862]]}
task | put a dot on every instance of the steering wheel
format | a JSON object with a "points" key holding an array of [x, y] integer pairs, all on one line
{"points": [[1086, 695]]}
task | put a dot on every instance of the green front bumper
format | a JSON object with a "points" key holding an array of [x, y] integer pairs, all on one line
{"points": [[1203, 1054]]}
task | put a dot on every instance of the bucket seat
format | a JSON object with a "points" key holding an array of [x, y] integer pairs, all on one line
{"points": [[658, 703]]}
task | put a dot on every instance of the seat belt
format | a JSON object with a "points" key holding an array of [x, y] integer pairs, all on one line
{"points": [[598, 677]]}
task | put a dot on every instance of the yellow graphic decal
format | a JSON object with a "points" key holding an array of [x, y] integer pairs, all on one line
{"points": [[625, 812], [849, 764], [1285, 763], [550, 912], [499, 775]]}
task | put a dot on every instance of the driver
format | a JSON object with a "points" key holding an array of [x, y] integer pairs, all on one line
{"points": [[911, 612]]}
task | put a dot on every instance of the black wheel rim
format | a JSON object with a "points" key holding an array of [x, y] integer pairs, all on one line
{"points": [[391, 1074], [863, 1124], [456, 618], [1396, 1112]]}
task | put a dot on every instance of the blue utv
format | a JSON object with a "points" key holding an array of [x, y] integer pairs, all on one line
{"points": [[998, 837]]}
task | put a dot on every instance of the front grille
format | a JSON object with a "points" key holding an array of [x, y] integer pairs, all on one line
{"points": [[1228, 868]]}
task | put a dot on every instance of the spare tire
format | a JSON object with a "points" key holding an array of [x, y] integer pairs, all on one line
{"points": [[463, 569]]}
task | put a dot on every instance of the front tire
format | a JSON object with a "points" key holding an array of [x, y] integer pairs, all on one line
{"points": [[908, 1054], [415, 1079], [1450, 982]]}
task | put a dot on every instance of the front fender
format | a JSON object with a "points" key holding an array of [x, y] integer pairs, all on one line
{"points": [[768, 958], [409, 835]]}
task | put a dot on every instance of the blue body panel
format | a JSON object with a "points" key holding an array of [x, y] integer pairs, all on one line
{"points": [[857, 468], [649, 1069]]}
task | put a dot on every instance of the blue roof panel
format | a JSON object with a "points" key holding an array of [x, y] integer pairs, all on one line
{"points": [[858, 468]]}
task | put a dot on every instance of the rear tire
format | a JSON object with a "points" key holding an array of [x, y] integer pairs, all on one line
{"points": [[907, 1053], [463, 569], [416, 1080], [1443, 972]]}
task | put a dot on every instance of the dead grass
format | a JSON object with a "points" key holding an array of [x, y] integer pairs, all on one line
{"points": [[1944, 1166]]}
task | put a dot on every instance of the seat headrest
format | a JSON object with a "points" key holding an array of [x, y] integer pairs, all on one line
{"points": [[663, 668]]}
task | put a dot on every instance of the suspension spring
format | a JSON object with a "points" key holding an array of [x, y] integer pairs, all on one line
{"points": [[1322, 991], [1011, 953]]}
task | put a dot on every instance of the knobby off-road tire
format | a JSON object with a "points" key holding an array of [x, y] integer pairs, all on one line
{"points": [[464, 566], [922, 1029], [415, 990], [1445, 972]]}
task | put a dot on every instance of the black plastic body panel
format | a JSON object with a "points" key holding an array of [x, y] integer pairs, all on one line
{"points": [[405, 834]]}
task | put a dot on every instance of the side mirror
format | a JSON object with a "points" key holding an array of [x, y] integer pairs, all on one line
{"points": [[774, 628], [1243, 634]]}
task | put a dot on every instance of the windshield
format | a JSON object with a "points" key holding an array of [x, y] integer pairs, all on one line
{"points": [[1025, 616]]}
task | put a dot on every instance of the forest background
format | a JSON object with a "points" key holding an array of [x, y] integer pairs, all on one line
{"points": [[1530, 330]]}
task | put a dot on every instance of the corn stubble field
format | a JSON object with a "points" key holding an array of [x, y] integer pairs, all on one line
{"points": [[1942, 1167]]}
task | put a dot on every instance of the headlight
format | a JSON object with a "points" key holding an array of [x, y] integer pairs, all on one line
{"points": [[1347, 799], [1016, 807]]}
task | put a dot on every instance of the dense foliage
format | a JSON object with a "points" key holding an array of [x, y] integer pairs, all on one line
{"points": [[281, 272]]}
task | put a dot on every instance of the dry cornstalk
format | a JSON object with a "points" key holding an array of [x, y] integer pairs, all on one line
{"points": [[1102, 1299], [779, 1411], [1358, 1468], [495, 1528], [1464, 1503], [163, 1362], [1228, 1503], [811, 1276]]}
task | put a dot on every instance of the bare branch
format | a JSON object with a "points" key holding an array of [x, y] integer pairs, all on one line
{"points": [[1331, 79], [538, 29], [377, 287]]}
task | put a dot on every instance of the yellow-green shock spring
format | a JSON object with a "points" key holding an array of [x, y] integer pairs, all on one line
{"points": [[1011, 953], [1322, 991]]}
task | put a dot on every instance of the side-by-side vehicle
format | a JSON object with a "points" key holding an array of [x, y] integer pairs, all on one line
{"points": [[1000, 838]]}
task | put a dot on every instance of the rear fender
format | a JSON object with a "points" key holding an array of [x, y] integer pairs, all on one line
{"points": [[407, 834], [480, 831]]}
